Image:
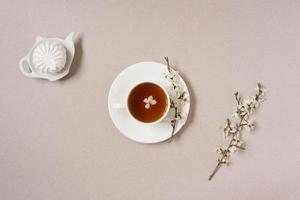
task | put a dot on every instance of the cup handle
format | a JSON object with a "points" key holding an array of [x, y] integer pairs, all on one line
{"points": [[119, 106], [22, 65]]}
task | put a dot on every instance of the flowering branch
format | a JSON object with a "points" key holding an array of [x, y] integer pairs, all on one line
{"points": [[177, 97], [233, 129]]}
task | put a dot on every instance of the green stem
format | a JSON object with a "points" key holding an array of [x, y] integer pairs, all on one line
{"points": [[234, 134], [215, 170], [173, 125]]}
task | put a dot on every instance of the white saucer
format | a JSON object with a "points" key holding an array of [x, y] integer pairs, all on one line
{"points": [[140, 132]]}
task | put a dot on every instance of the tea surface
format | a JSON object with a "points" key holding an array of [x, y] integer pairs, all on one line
{"points": [[147, 102]]}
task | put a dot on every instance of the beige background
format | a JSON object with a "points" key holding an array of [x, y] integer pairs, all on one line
{"points": [[58, 142]]}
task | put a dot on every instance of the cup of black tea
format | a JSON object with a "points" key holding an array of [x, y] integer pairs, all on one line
{"points": [[147, 102]]}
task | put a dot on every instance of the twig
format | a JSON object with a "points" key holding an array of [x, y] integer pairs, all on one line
{"points": [[243, 111]]}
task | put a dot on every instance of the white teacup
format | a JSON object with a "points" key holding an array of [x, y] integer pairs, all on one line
{"points": [[149, 102]]}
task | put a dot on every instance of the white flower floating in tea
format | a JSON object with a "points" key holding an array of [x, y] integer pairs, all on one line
{"points": [[149, 101], [178, 97], [233, 129]]}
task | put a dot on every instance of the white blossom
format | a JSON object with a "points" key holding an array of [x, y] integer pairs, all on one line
{"points": [[232, 149], [149, 101], [219, 150], [262, 90], [250, 126]]}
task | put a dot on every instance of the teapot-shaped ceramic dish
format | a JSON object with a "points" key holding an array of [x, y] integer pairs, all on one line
{"points": [[48, 52]]}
